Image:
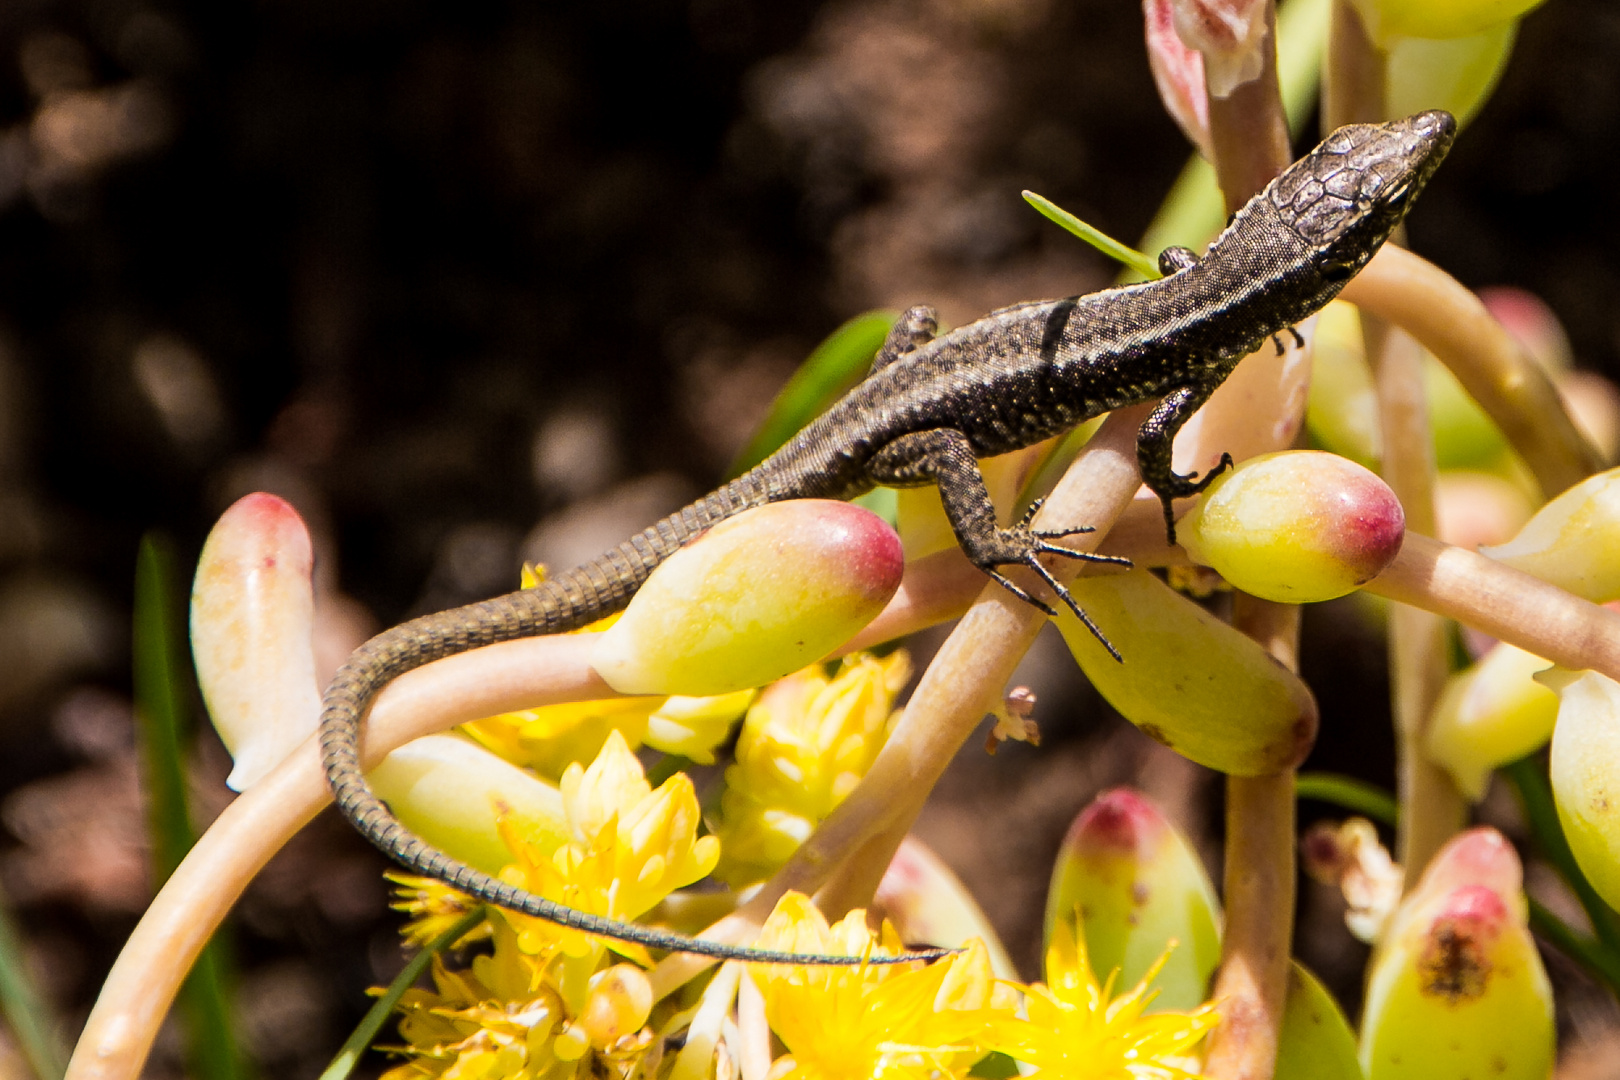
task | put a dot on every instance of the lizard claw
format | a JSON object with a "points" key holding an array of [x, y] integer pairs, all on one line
{"points": [[1006, 583], [1044, 548], [1073, 605]]}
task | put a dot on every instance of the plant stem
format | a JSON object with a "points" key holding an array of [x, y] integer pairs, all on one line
{"points": [[1249, 135], [1353, 76], [136, 996], [1449, 321], [365, 1032], [1259, 885]]}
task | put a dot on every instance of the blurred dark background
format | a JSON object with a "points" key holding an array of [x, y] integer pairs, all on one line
{"points": [[476, 283]]}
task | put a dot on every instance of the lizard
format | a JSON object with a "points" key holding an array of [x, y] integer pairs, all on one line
{"points": [[931, 406]]}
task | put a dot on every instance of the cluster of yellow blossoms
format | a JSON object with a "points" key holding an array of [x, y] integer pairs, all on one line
{"points": [[539, 1002]]}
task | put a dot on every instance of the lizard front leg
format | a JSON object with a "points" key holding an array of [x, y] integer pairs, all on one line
{"points": [[945, 457], [1156, 439]]}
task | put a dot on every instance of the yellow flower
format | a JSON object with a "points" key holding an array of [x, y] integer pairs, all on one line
{"points": [[805, 744], [433, 908], [1076, 1032], [873, 1022], [505, 1019], [631, 847], [498, 1021]]}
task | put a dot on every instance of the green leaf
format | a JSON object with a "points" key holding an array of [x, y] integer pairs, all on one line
{"points": [[29, 1018], [348, 1056], [837, 364], [1133, 260], [163, 712]]}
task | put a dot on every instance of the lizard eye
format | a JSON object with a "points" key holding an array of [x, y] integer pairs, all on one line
{"points": [[1334, 271], [1396, 199]]}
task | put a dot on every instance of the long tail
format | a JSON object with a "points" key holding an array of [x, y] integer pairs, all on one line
{"points": [[563, 603]]}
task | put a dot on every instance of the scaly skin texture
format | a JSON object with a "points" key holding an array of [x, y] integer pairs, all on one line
{"points": [[932, 407]]}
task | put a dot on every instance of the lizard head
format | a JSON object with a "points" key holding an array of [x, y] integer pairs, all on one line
{"points": [[1345, 197]]}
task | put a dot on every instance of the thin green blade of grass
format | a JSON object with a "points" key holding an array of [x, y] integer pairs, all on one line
{"points": [[365, 1032], [162, 718], [835, 365], [1121, 253], [26, 1013]]}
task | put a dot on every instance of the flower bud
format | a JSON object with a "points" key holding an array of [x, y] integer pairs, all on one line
{"points": [[452, 793], [1230, 34], [252, 611], [1455, 74], [1316, 1042], [1585, 773], [1490, 714], [1342, 410], [927, 902], [1387, 20], [1138, 886], [693, 726], [1178, 71], [1189, 680], [1474, 508], [1296, 527], [1464, 436], [1570, 542], [805, 744], [1532, 323], [1457, 987], [758, 596], [620, 1001]]}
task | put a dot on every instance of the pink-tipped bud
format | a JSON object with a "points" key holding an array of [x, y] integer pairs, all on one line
{"points": [[1230, 34], [927, 902], [252, 613], [757, 597], [1178, 71], [1138, 886], [1296, 527], [1532, 323], [1457, 987]]}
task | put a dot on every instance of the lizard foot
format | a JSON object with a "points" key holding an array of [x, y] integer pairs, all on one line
{"points": [[1040, 536], [1181, 487], [1022, 546]]}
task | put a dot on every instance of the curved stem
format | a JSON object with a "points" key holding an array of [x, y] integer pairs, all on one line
{"points": [[1449, 321], [196, 898]]}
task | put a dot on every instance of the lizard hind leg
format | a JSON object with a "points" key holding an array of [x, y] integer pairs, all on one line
{"points": [[945, 456]]}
